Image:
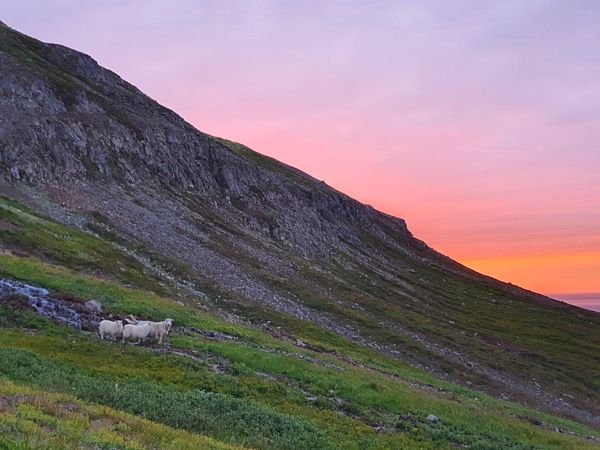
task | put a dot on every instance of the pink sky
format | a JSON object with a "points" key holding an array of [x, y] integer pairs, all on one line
{"points": [[477, 122]]}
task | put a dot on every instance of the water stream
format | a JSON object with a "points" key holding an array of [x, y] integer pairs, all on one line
{"points": [[40, 300]]}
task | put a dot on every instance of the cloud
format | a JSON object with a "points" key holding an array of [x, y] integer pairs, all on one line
{"points": [[477, 121]]}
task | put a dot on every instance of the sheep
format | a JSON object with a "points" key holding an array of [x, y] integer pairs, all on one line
{"points": [[110, 328], [158, 329], [140, 332], [132, 320]]}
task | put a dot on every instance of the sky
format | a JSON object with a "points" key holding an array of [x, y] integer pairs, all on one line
{"points": [[478, 122]]}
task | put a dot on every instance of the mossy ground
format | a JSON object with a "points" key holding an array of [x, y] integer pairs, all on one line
{"points": [[251, 389], [38, 419]]}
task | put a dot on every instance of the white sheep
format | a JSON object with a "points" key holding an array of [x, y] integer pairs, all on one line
{"points": [[157, 329], [160, 329], [139, 332], [110, 328]]}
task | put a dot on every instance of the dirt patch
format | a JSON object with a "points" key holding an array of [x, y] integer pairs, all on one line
{"points": [[10, 248], [215, 363], [5, 405], [210, 335], [5, 225], [532, 420], [15, 301], [102, 424], [68, 407]]}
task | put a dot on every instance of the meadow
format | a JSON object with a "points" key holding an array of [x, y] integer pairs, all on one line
{"points": [[217, 384]]}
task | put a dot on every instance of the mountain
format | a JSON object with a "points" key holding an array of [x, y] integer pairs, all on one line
{"points": [[107, 194]]}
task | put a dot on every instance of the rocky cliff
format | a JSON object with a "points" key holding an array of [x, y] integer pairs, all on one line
{"points": [[260, 241], [66, 119]]}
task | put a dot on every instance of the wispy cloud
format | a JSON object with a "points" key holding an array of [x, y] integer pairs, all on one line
{"points": [[477, 121]]}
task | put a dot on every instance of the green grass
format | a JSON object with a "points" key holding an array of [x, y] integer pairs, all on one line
{"points": [[217, 415], [258, 389], [267, 163], [267, 393], [559, 347], [56, 359], [36, 419], [53, 242]]}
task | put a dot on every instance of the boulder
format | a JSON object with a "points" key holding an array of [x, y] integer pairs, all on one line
{"points": [[94, 306], [432, 419]]}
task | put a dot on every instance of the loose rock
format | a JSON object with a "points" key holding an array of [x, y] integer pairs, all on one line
{"points": [[433, 419], [94, 306]]}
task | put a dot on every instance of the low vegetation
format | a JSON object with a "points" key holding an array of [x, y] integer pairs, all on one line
{"points": [[217, 384], [36, 419]]}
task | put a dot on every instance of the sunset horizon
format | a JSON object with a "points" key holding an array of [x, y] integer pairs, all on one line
{"points": [[482, 135], [307, 225]]}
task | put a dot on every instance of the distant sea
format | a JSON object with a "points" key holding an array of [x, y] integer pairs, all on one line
{"points": [[587, 301]]}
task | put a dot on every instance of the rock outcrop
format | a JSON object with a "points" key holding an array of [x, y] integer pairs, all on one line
{"points": [[255, 238], [64, 119]]}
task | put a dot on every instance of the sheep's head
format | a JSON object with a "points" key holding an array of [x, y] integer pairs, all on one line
{"points": [[169, 322]]}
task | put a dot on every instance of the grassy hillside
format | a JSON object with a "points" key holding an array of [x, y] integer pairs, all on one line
{"points": [[217, 384], [230, 233], [34, 418]]}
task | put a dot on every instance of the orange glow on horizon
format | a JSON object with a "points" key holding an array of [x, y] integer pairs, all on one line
{"points": [[494, 164], [548, 274]]}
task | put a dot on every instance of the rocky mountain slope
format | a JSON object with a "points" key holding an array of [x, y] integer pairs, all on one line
{"points": [[210, 222]]}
